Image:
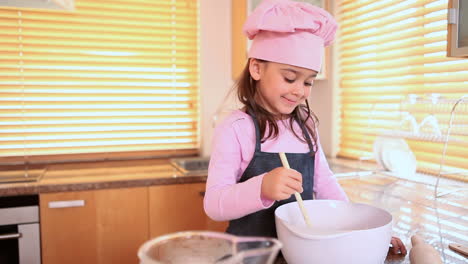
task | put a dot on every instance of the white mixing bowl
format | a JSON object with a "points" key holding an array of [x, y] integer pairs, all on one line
{"points": [[341, 233]]}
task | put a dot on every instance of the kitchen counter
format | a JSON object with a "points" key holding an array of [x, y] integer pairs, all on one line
{"points": [[438, 221], [99, 175], [412, 204], [110, 174]]}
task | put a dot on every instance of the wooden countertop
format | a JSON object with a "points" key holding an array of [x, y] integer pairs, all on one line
{"points": [[108, 174], [99, 175]]}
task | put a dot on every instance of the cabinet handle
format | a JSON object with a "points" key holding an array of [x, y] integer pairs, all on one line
{"points": [[10, 236], [66, 204], [202, 193]]}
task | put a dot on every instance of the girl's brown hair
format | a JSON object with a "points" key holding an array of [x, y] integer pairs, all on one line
{"points": [[246, 93]]}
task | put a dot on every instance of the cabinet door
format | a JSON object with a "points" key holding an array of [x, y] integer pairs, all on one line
{"points": [[68, 230], [179, 207], [122, 224], [104, 226], [212, 225]]}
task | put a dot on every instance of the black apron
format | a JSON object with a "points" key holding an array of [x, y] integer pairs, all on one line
{"points": [[262, 223]]}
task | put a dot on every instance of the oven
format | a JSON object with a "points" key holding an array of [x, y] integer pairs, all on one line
{"points": [[19, 230]]}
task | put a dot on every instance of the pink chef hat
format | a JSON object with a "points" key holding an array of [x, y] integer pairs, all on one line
{"points": [[289, 32]]}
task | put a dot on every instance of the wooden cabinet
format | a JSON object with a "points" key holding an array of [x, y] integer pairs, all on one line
{"points": [[102, 226], [179, 207], [215, 225], [108, 226]]}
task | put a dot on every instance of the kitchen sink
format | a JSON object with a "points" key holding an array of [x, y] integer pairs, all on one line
{"points": [[192, 166], [21, 173]]}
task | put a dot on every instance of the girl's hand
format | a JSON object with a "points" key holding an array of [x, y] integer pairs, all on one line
{"points": [[281, 183], [397, 246]]}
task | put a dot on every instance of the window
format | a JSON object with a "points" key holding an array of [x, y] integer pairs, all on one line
{"points": [[389, 51], [112, 79]]}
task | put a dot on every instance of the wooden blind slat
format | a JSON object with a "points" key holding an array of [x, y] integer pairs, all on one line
{"points": [[394, 27], [390, 50], [385, 21], [113, 76], [396, 36]]}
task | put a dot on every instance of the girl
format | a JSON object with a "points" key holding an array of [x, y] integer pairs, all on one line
{"points": [[246, 180]]}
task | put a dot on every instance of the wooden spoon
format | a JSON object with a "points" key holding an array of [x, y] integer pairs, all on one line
{"points": [[285, 162]]}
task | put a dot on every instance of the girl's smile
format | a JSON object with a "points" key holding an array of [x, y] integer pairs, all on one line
{"points": [[290, 102]]}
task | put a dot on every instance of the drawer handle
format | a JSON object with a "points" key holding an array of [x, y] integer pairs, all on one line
{"points": [[66, 204], [10, 236]]}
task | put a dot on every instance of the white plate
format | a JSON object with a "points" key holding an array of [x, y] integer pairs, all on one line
{"points": [[378, 145], [397, 157]]}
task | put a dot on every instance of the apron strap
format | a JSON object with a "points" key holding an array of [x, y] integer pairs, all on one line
{"points": [[257, 132], [307, 136], [258, 140]]}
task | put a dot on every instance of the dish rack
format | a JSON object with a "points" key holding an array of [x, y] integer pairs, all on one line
{"points": [[429, 119]]}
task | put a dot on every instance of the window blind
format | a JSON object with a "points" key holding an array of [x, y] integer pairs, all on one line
{"points": [[391, 51], [112, 79]]}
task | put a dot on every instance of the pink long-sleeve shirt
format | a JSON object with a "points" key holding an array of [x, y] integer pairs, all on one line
{"points": [[233, 148]]}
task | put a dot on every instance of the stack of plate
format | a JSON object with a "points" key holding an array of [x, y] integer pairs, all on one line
{"points": [[394, 154]]}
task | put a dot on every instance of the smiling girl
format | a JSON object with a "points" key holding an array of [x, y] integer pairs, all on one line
{"points": [[246, 179]]}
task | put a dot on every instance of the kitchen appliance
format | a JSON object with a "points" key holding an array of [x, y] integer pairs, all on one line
{"points": [[352, 233], [19, 230], [202, 247]]}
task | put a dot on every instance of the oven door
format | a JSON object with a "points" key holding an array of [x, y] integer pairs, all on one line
{"points": [[20, 244]]}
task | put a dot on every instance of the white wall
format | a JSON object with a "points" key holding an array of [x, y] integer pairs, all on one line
{"points": [[325, 100], [215, 81], [320, 100], [215, 63]]}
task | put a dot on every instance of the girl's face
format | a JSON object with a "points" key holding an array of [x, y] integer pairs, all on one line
{"points": [[281, 87]]}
